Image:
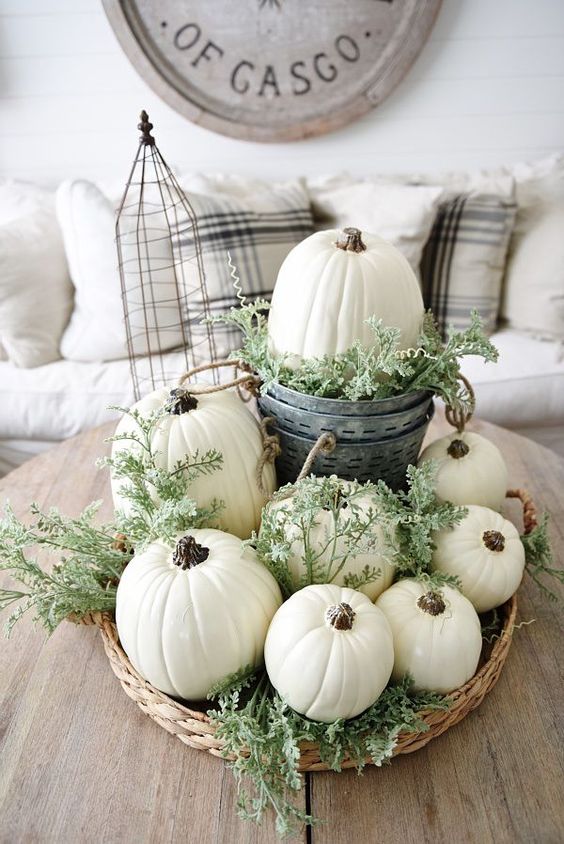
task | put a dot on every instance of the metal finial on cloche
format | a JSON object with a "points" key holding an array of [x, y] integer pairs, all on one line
{"points": [[145, 127]]}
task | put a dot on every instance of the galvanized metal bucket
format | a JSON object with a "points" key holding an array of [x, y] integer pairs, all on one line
{"points": [[374, 439]]}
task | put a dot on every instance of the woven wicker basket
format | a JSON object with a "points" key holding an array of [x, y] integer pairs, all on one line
{"points": [[194, 727]]}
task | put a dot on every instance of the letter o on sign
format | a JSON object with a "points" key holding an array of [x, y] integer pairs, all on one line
{"points": [[347, 48]]}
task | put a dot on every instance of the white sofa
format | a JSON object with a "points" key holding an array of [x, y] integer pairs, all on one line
{"points": [[524, 390]]}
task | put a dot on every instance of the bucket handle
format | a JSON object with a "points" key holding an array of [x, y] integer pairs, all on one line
{"points": [[325, 444]]}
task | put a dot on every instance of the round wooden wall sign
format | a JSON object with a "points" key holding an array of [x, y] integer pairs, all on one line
{"points": [[272, 70]]}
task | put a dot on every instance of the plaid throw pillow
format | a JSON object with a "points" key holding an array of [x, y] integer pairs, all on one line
{"points": [[464, 259], [258, 239]]}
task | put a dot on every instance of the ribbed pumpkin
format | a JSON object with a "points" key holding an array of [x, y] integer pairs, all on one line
{"points": [[324, 537], [471, 469], [437, 635], [191, 613], [327, 287], [329, 652], [484, 551], [198, 423]]}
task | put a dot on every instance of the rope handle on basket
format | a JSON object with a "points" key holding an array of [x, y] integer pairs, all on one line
{"points": [[458, 417], [325, 445], [249, 381], [530, 519]]}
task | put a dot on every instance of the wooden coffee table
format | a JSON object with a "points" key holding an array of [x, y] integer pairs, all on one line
{"points": [[79, 762]]}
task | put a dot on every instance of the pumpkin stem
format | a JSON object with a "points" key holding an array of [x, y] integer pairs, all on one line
{"points": [[351, 240], [188, 553], [180, 401], [340, 616], [432, 603], [458, 449], [493, 540]]}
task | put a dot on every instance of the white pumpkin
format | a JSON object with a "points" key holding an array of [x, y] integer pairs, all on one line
{"points": [[191, 614], [198, 423], [437, 635], [324, 538], [471, 470], [330, 283], [329, 652], [485, 553]]}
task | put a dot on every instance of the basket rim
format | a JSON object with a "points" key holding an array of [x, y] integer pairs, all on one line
{"points": [[389, 417]]}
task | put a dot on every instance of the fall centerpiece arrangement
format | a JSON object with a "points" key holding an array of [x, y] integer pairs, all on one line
{"points": [[351, 613]]}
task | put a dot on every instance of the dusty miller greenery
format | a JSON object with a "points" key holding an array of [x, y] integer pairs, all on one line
{"points": [[365, 373], [357, 514], [89, 560], [253, 716]]}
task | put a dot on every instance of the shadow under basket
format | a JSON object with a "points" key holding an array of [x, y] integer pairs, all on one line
{"points": [[375, 439]]}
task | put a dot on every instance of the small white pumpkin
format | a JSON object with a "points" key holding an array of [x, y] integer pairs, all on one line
{"points": [[471, 470], [485, 553], [329, 652], [330, 283], [191, 614], [324, 538], [197, 423], [437, 635]]}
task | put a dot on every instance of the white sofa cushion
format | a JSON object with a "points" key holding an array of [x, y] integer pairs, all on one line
{"points": [[61, 399], [87, 220], [35, 289], [402, 214], [534, 283], [525, 388]]}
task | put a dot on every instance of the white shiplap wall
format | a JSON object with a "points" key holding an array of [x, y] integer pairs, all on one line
{"points": [[487, 89]]}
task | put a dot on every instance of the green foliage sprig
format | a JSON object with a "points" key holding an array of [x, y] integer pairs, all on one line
{"points": [[357, 513], [365, 373], [89, 561], [264, 735], [158, 501], [539, 558]]}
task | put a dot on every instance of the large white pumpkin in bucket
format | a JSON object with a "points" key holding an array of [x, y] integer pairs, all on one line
{"points": [[330, 284], [195, 423]]}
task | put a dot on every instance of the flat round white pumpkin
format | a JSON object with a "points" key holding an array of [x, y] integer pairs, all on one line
{"points": [[329, 652], [484, 551], [191, 613]]}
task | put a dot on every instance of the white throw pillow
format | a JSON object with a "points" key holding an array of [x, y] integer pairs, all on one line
{"points": [[35, 289], [87, 220], [258, 223], [402, 214], [533, 299]]}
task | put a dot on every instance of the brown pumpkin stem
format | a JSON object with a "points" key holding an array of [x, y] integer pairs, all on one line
{"points": [[432, 603], [493, 540], [340, 616], [351, 240], [458, 449], [180, 401], [188, 553]]}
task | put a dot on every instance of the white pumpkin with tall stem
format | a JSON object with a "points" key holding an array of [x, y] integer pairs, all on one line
{"points": [[484, 551], [330, 284], [192, 613], [329, 652], [470, 469], [194, 423], [437, 635]]}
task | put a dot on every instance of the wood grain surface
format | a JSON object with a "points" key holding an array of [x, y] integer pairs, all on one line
{"points": [[79, 762]]}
